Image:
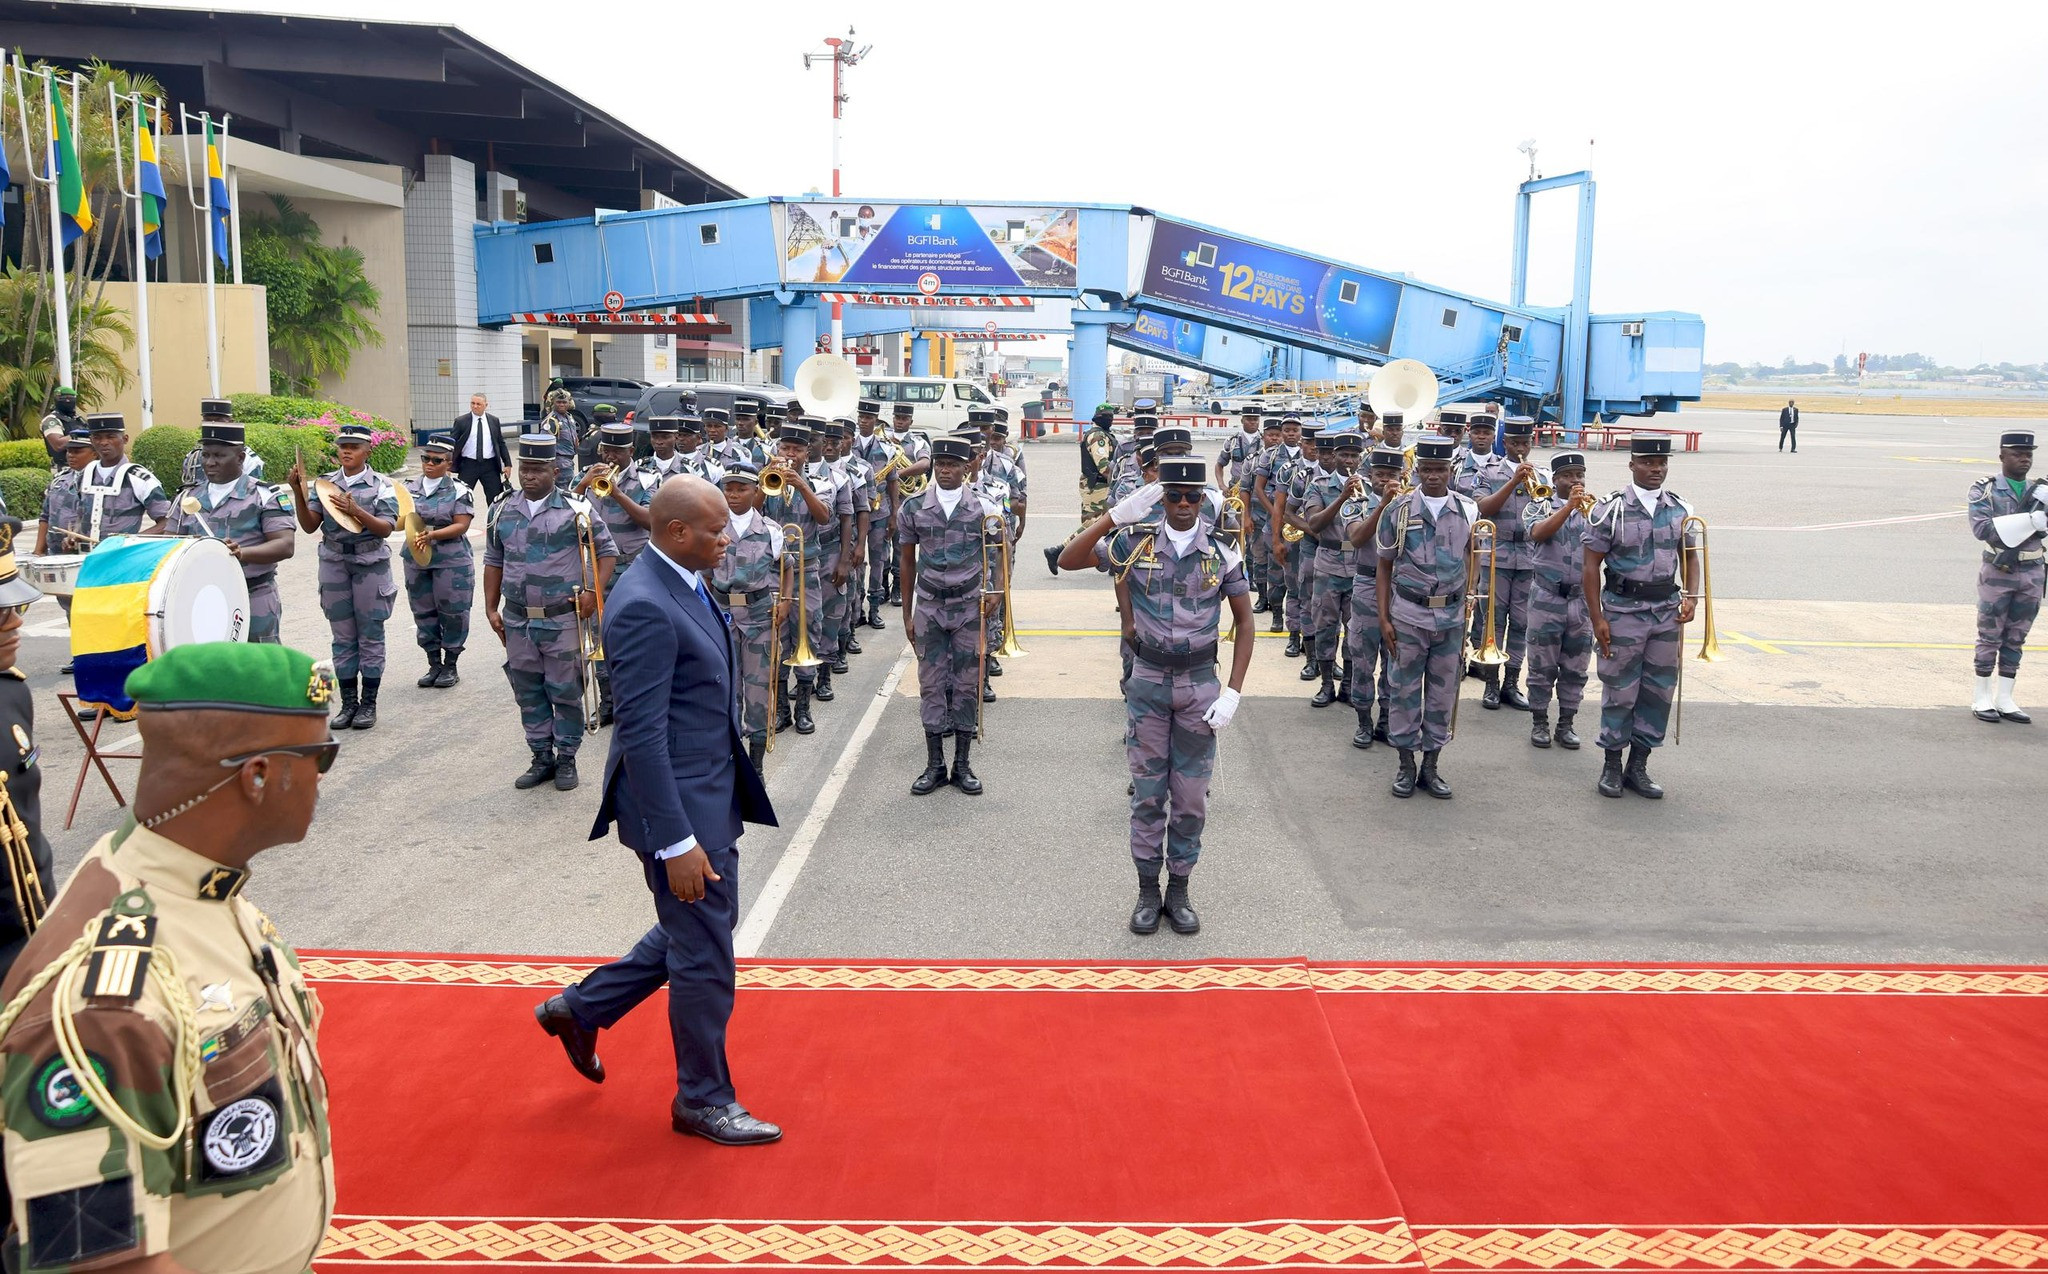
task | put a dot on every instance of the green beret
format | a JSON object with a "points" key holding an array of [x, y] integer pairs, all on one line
{"points": [[233, 676]]}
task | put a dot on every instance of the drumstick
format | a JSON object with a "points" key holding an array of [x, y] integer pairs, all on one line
{"points": [[85, 539], [190, 504]]}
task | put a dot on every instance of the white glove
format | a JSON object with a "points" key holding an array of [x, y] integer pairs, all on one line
{"points": [[1134, 507], [1221, 711], [2041, 519]]}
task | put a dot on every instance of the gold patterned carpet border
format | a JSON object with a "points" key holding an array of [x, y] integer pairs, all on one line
{"points": [[1749, 1248], [886, 1245], [461, 971]]}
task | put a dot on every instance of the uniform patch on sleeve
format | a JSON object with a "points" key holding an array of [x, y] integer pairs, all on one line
{"points": [[57, 1096], [78, 1225], [243, 1138]]}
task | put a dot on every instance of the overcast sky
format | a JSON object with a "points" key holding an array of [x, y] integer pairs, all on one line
{"points": [[1811, 178]]}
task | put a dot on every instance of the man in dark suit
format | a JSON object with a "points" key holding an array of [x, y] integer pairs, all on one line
{"points": [[679, 785], [1788, 426], [480, 458]]}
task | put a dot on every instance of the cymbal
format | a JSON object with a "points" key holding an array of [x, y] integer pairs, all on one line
{"points": [[415, 525], [328, 494]]}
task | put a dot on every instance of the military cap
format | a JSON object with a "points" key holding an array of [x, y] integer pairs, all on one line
{"points": [[1434, 447], [2021, 439], [776, 411], [834, 428], [1365, 409], [64, 391], [1147, 456], [222, 431], [1518, 426], [904, 409], [14, 590], [968, 434], [217, 407], [1394, 418], [1290, 416], [980, 416], [440, 442], [1453, 416], [743, 471], [1249, 410], [233, 676], [604, 411], [1001, 426], [1567, 460], [868, 407], [107, 422], [537, 447], [355, 433], [1144, 420], [1388, 458], [1270, 422], [79, 436], [1344, 439], [615, 434], [1183, 471], [684, 424], [952, 449], [1312, 429], [1144, 406], [1001, 412], [745, 407], [1482, 420], [718, 414], [794, 431], [663, 424], [1167, 434], [1649, 446]]}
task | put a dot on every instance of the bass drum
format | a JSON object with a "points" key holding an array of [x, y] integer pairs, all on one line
{"points": [[198, 594], [140, 595]]}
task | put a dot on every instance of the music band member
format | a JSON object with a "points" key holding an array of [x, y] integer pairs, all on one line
{"points": [[799, 503], [949, 541], [1500, 484], [563, 424], [2008, 514], [535, 595], [1423, 540], [251, 517], [1365, 651], [747, 583], [1560, 638], [1177, 579], [1638, 600], [1332, 562], [357, 591], [441, 593]]}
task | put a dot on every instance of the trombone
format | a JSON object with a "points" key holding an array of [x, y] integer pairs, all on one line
{"points": [[802, 656], [1235, 508], [993, 524], [1489, 654], [590, 629], [1691, 530]]}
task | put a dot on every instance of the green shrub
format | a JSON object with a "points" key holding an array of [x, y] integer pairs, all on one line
{"points": [[388, 453], [161, 449], [279, 445], [24, 453], [317, 416], [22, 489]]}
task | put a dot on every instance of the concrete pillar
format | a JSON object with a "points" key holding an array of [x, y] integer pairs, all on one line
{"points": [[450, 356], [921, 356], [799, 337], [1088, 357]]}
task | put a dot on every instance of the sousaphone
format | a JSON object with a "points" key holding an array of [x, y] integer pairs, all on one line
{"points": [[1407, 386], [827, 386]]}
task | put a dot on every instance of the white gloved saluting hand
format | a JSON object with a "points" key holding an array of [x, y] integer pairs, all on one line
{"points": [[1221, 711], [1134, 507]]}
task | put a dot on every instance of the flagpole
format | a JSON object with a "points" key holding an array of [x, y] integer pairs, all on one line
{"points": [[62, 304], [141, 258], [205, 210]]}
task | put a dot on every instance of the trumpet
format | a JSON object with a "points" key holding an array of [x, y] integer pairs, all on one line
{"points": [[1690, 530], [1536, 490], [589, 629], [802, 656], [775, 478], [601, 485]]}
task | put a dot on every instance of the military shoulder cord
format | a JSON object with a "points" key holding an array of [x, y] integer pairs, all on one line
{"points": [[29, 900], [1141, 551]]}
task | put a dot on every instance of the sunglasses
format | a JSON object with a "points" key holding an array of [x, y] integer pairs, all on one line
{"points": [[1181, 497], [323, 754]]}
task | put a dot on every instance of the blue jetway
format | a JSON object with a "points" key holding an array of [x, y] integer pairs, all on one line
{"points": [[1191, 293]]}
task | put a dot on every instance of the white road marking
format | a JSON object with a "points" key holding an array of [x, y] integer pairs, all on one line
{"points": [[1846, 526], [760, 918]]}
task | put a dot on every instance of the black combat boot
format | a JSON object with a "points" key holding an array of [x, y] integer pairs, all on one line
{"points": [[1293, 650], [1313, 668], [757, 751], [875, 615], [804, 724], [565, 771], [426, 681], [1279, 612], [934, 765], [1404, 782], [850, 643], [1637, 777], [995, 666], [346, 718], [1610, 774], [1379, 725], [1145, 916], [821, 690], [1259, 607], [1539, 729], [782, 697], [604, 700], [1490, 698], [988, 692], [1566, 735], [1052, 557], [837, 663], [1180, 913], [963, 773], [542, 769], [1363, 739], [366, 710], [1327, 695], [1511, 689], [1432, 782], [1344, 682], [447, 677]]}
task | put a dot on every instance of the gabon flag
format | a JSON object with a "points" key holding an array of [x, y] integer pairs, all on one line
{"points": [[217, 188], [152, 193], [73, 202]]}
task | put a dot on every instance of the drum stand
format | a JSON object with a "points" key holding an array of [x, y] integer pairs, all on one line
{"points": [[68, 701]]}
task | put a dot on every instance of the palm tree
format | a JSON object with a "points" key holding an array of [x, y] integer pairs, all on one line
{"points": [[323, 302], [28, 367]]}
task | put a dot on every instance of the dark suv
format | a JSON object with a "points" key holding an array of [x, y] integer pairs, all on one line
{"points": [[663, 400]]}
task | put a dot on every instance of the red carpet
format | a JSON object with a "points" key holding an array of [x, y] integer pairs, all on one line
{"points": [[1203, 1117]]}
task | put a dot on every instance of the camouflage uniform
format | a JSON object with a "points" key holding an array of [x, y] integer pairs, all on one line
{"points": [[1294, 476], [1098, 457], [541, 558], [744, 583], [443, 591], [627, 535], [117, 501], [837, 491], [1263, 577], [876, 451], [1639, 678], [63, 509], [1560, 639], [790, 507], [1177, 602], [1333, 564], [357, 591], [248, 515], [1511, 558], [1427, 555], [949, 583], [1365, 661], [849, 599], [1237, 455], [567, 437], [700, 463], [2008, 592], [251, 1186]]}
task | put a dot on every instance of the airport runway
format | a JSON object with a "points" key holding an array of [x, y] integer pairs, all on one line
{"points": [[1832, 800]]}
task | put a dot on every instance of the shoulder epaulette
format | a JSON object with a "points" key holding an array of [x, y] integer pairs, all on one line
{"points": [[119, 966]]}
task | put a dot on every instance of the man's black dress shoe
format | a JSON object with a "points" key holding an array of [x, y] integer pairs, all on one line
{"points": [[578, 1041], [726, 1125]]}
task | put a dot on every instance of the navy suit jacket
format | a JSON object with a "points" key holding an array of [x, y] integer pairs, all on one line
{"points": [[678, 765]]}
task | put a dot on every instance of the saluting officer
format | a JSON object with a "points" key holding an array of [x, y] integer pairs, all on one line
{"points": [[1560, 636], [2008, 514], [1333, 563], [1177, 579], [535, 592], [1638, 606], [167, 1109], [357, 591], [945, 537], [748, 584], [252, 518], [1365, 649], [800, 504], [21, 776], [1423, 538], [442, 592]]}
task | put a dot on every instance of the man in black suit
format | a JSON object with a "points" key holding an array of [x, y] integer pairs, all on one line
{"points": [[679, 785], [480, 458], [1788, 426]]}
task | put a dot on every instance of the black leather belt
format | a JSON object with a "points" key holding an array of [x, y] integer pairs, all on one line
{"points": [[1434, 601], [733, 598], [2014, 557], [1174, 661], [521, 614], [1647, 590], [946, 593], [353, 543], [1566, 591]]}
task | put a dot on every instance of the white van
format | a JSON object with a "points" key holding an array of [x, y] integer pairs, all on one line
{"points": [[941, 404]]}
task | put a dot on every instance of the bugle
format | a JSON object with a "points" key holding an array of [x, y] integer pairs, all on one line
{"points": [[774, 478], [1690, 530], [589, 628]]}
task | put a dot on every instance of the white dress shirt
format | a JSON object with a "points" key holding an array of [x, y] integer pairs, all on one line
{"points": [[481, 446]]}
